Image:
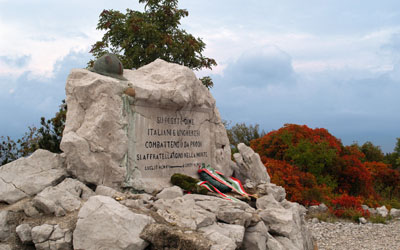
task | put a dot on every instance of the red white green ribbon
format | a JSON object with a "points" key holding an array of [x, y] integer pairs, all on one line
{"points": [[231, 182]]}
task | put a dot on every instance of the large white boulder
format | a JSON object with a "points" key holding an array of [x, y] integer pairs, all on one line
{"points": [[49, 237], [249, 166], [382, 211], [99, 131], [103, 223], [256, 237], [63, 198], [28, 176]]}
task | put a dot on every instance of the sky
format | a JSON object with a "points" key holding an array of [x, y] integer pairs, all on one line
{"points": [[330, 64]]}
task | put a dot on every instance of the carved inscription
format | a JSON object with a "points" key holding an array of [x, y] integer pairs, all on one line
{"points": [[167, 141]]}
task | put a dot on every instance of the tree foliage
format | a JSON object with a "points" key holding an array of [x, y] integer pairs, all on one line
{"points": [[315, 166], [139, 38], [242, 133], [48, 137], [371, 152]]}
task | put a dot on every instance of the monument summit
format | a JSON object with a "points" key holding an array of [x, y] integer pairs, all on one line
{"points": [[126, 133], [138, 129]]}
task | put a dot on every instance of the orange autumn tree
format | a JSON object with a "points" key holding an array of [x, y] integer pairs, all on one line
{"points": [[313, 165]]}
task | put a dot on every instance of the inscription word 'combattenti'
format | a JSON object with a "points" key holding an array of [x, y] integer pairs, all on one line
{"points": [[167, 141]]}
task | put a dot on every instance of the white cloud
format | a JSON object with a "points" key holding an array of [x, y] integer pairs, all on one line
{"points": [[43, 49]]}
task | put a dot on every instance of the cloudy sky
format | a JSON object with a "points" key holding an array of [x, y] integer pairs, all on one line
{"points": [[333, 64]]}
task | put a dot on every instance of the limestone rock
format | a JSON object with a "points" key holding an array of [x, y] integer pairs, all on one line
{"points": [[173, 238], [395, 212], [315, 220], [184, 213], [63, 198], [28, 176], [362, 220], [221, 241], [103, 223], [256, 237], [267, 201], [382, 211], [51, 237], [239, 213], [278, 192], [286, 220], [5, 247], [76, 188], [107, 191], [97, 137], [29, 209], [233, 232], [250, 166], [321, 208], [24, 233], [4, 225], [170, 193], [273, 244], [41, 233]]}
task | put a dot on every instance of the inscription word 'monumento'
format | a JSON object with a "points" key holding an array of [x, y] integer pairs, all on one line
{"points": [[137, 130]]}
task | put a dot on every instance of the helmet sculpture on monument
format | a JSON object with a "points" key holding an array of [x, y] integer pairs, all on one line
{"points": [[109, 65]]}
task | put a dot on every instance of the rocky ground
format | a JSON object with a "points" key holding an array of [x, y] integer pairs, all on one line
{"points": [[352, 236]]}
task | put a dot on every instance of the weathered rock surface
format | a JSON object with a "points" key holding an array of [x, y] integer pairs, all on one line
{"points": [[321, 208], [256, 237], [4, 225], [173, 238], [170, 193], [395, 212], [51, 237], [5, 247], [239, 213], [65, 197], [278, 192], [98, 126], [107, 191], [286, 220], [382, 211], [249, 166], [103, 223], [232, 235], [28, 176], [184, 213], [24, 233]]}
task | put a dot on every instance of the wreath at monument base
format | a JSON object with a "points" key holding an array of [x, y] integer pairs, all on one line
{"points": [[211, 181]]}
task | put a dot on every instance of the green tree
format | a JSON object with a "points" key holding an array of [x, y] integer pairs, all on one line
{"points": [[241, 132], [48, 137], [372, 152], [139, 38], [394, 158], [11, 150]]}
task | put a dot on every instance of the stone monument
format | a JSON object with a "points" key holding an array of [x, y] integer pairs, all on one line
{"points": [[137, 132]]}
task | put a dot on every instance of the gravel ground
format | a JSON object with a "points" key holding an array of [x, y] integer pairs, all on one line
{"points": [[352, 236]]}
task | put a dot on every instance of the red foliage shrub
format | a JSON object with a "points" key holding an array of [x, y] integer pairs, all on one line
{"points": [[312, 165], [300, 187], [386, 180], [347, 206], [275, 143]]}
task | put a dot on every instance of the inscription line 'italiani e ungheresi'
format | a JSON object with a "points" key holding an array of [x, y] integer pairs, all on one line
{"points": [[173, 132]]}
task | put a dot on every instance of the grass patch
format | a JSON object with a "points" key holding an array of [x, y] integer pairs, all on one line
{"points": [[324, 216], [379, 219]]}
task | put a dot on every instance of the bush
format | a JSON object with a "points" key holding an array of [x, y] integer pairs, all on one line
{"points": [[348, 207]]}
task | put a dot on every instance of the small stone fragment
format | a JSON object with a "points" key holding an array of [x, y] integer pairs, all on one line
{"points": [[24, 233]]}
